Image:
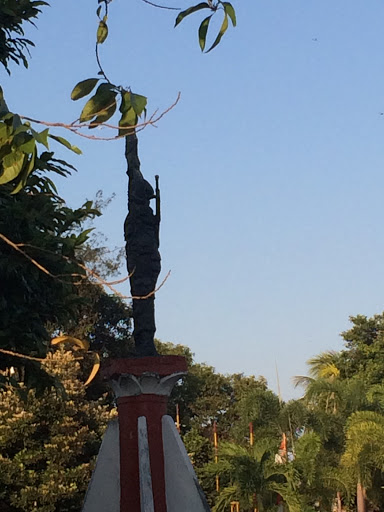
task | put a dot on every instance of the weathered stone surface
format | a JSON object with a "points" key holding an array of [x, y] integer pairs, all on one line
{"points": [[146, 492]]}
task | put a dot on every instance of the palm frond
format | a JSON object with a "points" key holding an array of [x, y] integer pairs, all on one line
{"points": [[324, 365], [301, 380], [226, 496]]}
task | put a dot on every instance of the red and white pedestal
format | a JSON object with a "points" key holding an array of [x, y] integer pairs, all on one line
{"points": [[142, 465]]}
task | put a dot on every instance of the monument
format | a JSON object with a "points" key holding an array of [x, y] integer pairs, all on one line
{"points": [[142, 465], [141, 232]]}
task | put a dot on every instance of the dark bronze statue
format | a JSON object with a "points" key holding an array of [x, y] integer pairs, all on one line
{"points": [[141, 230]]}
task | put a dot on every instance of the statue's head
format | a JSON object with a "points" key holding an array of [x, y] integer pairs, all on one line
{"points": [[142, 192]]}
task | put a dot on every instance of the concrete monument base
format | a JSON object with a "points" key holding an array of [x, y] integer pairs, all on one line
{"points": [[142, 465]]}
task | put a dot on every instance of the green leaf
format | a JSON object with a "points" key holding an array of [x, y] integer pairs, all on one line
{"points": [[102, 100], [8, 116], [51, 185], [222, 31], [24, 142], [138, 103], [27, 169], [3, 105], [16, 121], [125, 104], [83, 237], [12, 165], [5, 149], [104, 115], [66, 143], [228, 8], [42, 137], [127, 119], [98, 11], [190, 10], [36, 4], [83, 88], [87, 205], [203, 29], [102, 32], [22, 128], [3, 132]]}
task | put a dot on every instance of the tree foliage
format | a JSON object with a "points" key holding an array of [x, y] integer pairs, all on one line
{"points": [[39, 271], [48, 443], [19, 140], [345, 395], [13, 45], [108, 98]]}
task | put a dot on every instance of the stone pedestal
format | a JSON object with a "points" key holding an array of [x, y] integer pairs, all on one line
{"points": [[142, 465]]}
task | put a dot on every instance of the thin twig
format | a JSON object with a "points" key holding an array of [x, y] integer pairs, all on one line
{"points": [[155, 290], [75, 125], [100, 281], [162, 6], [122, 280], [21, 356], [17, 248], [94, 274], [99, 63]]}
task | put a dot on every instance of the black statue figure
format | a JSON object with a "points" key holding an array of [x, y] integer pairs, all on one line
{"points": [[141, 230]]}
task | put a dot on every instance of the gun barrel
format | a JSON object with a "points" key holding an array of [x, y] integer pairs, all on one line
{"points": [[157, 197]]}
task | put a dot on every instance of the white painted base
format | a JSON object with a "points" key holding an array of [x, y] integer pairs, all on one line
{"points": [[182, 489], [146, 494], [183, 492], [103, 493]]}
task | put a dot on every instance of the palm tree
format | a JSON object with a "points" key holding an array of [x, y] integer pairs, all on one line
{"points": [[319, 480], [252, 478], [325, 365], [332, 399], [323, 376], [364, 451]]}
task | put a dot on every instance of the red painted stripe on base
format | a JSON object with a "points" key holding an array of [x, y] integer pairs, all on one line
{"points": [[156, 452], [129, 459], [162, 365], [130, 408]]}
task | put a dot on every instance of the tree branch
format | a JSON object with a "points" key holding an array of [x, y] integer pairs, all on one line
{"points": [[162, 6], [89, 272], [76, 127], [21, 356]]}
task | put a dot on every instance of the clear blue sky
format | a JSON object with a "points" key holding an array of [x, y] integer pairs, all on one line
{"points": [[271, 166]]}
